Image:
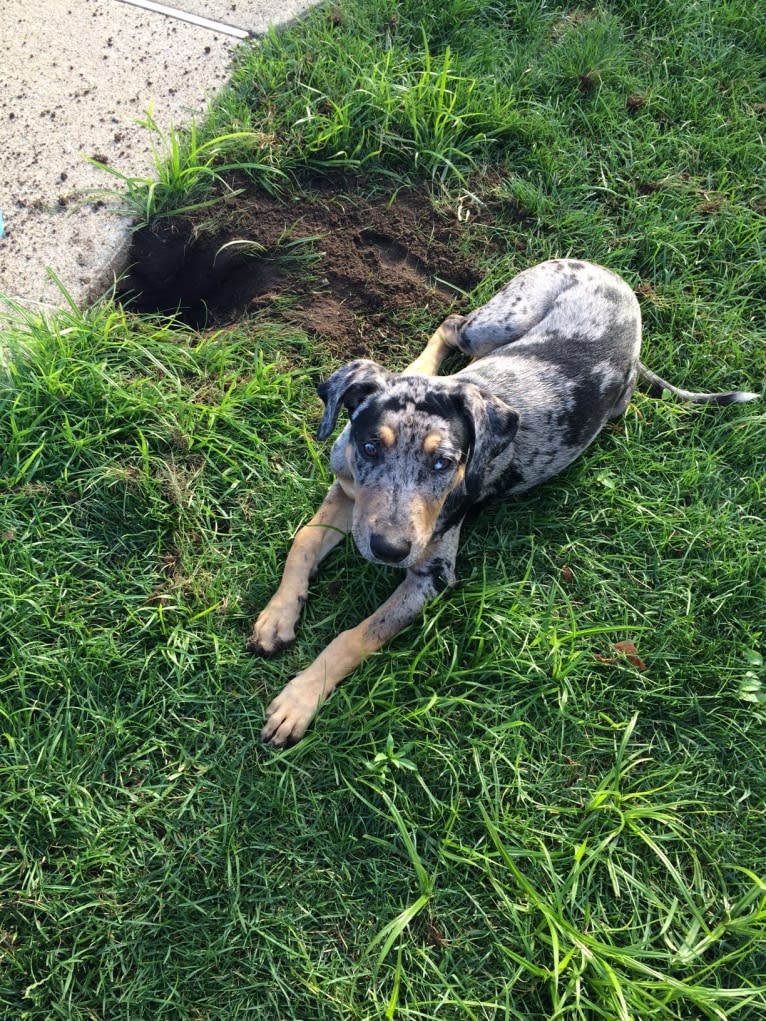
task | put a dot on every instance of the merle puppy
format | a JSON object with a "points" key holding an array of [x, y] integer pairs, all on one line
{"points": [[555, 355]]}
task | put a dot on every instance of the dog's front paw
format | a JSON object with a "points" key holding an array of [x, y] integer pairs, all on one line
{"points": [[274, 629], [290, 713]]}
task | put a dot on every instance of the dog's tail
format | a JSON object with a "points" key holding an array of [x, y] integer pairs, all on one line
{"points": [[657, 385]]}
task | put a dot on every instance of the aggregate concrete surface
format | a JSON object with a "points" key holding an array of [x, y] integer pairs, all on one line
{"points": [[78, 76]]}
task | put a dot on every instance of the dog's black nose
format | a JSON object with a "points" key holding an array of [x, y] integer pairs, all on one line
{"points": [[391, 552]]}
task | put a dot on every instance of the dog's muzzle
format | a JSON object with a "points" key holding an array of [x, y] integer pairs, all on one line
{"points": [[388, 551]]}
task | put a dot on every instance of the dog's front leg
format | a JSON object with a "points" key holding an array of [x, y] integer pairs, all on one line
{"points": [[275, 627], [292, 710]]}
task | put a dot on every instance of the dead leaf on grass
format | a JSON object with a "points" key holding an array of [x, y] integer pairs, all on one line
{"points": [[625, 648], [630, 652]]}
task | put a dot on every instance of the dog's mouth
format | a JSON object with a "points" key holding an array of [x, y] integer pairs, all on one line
{"points": [[393, 530]]}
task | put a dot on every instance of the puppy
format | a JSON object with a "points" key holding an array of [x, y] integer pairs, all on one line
{"points": [[555, 356]]}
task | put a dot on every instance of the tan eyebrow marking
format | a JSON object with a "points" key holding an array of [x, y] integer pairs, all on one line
{"points": [[432, 442], [387, 435]]}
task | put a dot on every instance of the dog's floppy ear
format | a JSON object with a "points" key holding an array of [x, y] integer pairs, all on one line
{"points": [[494, 425], [348, 386]]}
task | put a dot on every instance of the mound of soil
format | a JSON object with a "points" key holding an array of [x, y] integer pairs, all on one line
{"points": [[340, 265]]}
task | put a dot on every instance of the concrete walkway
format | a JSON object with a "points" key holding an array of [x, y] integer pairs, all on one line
{"points": [[77, 76]]}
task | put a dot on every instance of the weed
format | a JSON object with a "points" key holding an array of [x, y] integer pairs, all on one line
{"points": [[187, 170]]}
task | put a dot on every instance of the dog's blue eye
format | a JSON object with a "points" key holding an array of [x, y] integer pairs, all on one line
{"points": [[370, 449], [441, 464]]}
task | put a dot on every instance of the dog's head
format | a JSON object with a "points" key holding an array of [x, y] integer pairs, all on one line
{"points": [[414, 442]]}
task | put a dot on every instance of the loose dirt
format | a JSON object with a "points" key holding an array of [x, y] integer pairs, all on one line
{"points": [[340, 265]]}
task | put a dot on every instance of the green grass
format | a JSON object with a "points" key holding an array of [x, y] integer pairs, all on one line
{"points": [[500, 815]]}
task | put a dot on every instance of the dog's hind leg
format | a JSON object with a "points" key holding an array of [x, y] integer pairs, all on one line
{"points": [[523, 303], [275, 627], [444, 340], [627, 393]]}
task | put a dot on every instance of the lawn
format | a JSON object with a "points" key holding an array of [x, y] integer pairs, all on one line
{"points": [[510, 812]]}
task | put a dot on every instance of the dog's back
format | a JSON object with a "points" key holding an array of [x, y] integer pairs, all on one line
{"points": [[560, 344]]}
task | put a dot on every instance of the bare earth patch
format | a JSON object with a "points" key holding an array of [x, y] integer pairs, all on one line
{"points": [[339, 265]]}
